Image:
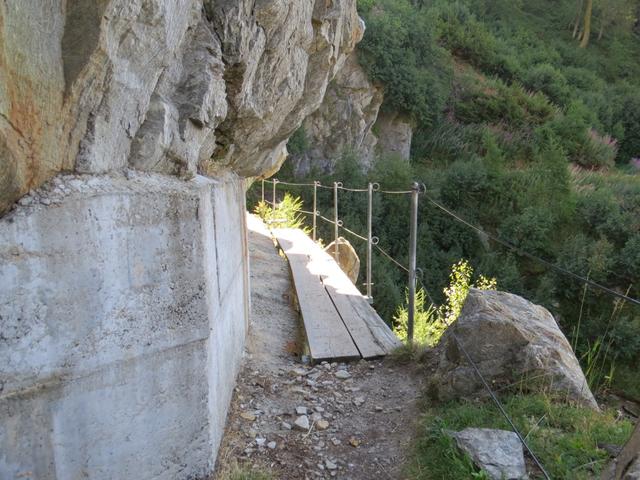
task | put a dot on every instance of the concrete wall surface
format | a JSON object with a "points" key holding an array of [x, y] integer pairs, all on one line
{"points": [[123, 313]]}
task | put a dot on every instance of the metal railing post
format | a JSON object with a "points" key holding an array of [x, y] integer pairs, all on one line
{"points": [[369, 232], [315, 207], [336, 232], [273, 194], [262, 197], [413, 237]]}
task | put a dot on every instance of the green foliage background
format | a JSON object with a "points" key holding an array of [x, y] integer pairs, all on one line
{"points": [[520, 132]]}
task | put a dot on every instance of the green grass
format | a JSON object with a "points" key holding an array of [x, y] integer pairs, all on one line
{"points": [[565, 438]]}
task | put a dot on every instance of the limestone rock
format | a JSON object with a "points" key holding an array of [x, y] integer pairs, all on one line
{"points": [[394, 133], [348, 258], [497, 452], [280, 56], [350, 119], [512, 341], [634, 471], [302, 423], [626, 466], [180, 88], [343, 121]]}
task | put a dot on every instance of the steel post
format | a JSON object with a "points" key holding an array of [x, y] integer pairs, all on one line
{"points": [[315, 208], [336, 230], [369, 241], [273, 194], [413, 237]]}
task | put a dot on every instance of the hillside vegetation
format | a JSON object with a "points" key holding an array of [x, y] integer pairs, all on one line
{"points": [[527, 131]]}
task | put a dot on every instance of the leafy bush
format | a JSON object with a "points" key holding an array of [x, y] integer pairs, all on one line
{"points": [[547, 79], [400, 51], [286, 214], [495, 102], [530, 230], [298, 142], [597, 151], [431, 322]]}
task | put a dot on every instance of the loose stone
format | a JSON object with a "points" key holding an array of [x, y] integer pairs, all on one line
{"points": [[322, 424], [302, 423]]}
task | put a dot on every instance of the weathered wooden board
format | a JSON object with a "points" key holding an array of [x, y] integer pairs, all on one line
{"points": [[326, 333], [315, 271], [372, 336]]}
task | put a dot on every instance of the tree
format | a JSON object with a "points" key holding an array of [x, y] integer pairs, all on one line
{"points": [[615, 12], [578, 19], [586, 31]]}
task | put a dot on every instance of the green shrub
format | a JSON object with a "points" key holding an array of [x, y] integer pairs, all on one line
{"points": [[597, 151], [286, 214], [530, 230], [430, 322], [400, 51], [495, 102], [547, 79], [630, 257]]}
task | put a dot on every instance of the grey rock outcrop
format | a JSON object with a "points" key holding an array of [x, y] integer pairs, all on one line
{"points": [[497, 452], [127, 131], [513, 342], [188, 87], [344, 120], [350, 119]]}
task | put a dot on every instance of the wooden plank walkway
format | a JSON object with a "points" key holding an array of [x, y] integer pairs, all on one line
{"points": [[338, 320]]}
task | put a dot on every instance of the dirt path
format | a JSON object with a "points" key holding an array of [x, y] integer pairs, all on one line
{"points": [[359, 426]]}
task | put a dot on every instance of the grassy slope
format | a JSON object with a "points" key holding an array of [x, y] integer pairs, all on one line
{"points": [[564, 438]]}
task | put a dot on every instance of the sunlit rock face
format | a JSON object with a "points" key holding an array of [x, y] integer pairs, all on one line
{"points": [[352, 120], [170, 86], [344, 122]]}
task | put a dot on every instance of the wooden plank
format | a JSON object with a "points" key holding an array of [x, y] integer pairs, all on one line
{"points": [[326, 333], [372, 336]]}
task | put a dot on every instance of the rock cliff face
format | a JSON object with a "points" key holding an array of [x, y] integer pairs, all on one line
{"points": [[344, 121], [350, 119], [127, 129], [179, 87]]}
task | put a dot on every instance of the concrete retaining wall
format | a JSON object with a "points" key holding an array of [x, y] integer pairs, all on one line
{"points": [[124, 308]]}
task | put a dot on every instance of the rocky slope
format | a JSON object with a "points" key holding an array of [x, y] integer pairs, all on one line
{"points": [[351, 119], [169, 86]]}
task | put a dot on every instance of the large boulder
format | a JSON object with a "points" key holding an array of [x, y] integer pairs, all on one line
{"points": [[514, 343], [347, 258]]}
